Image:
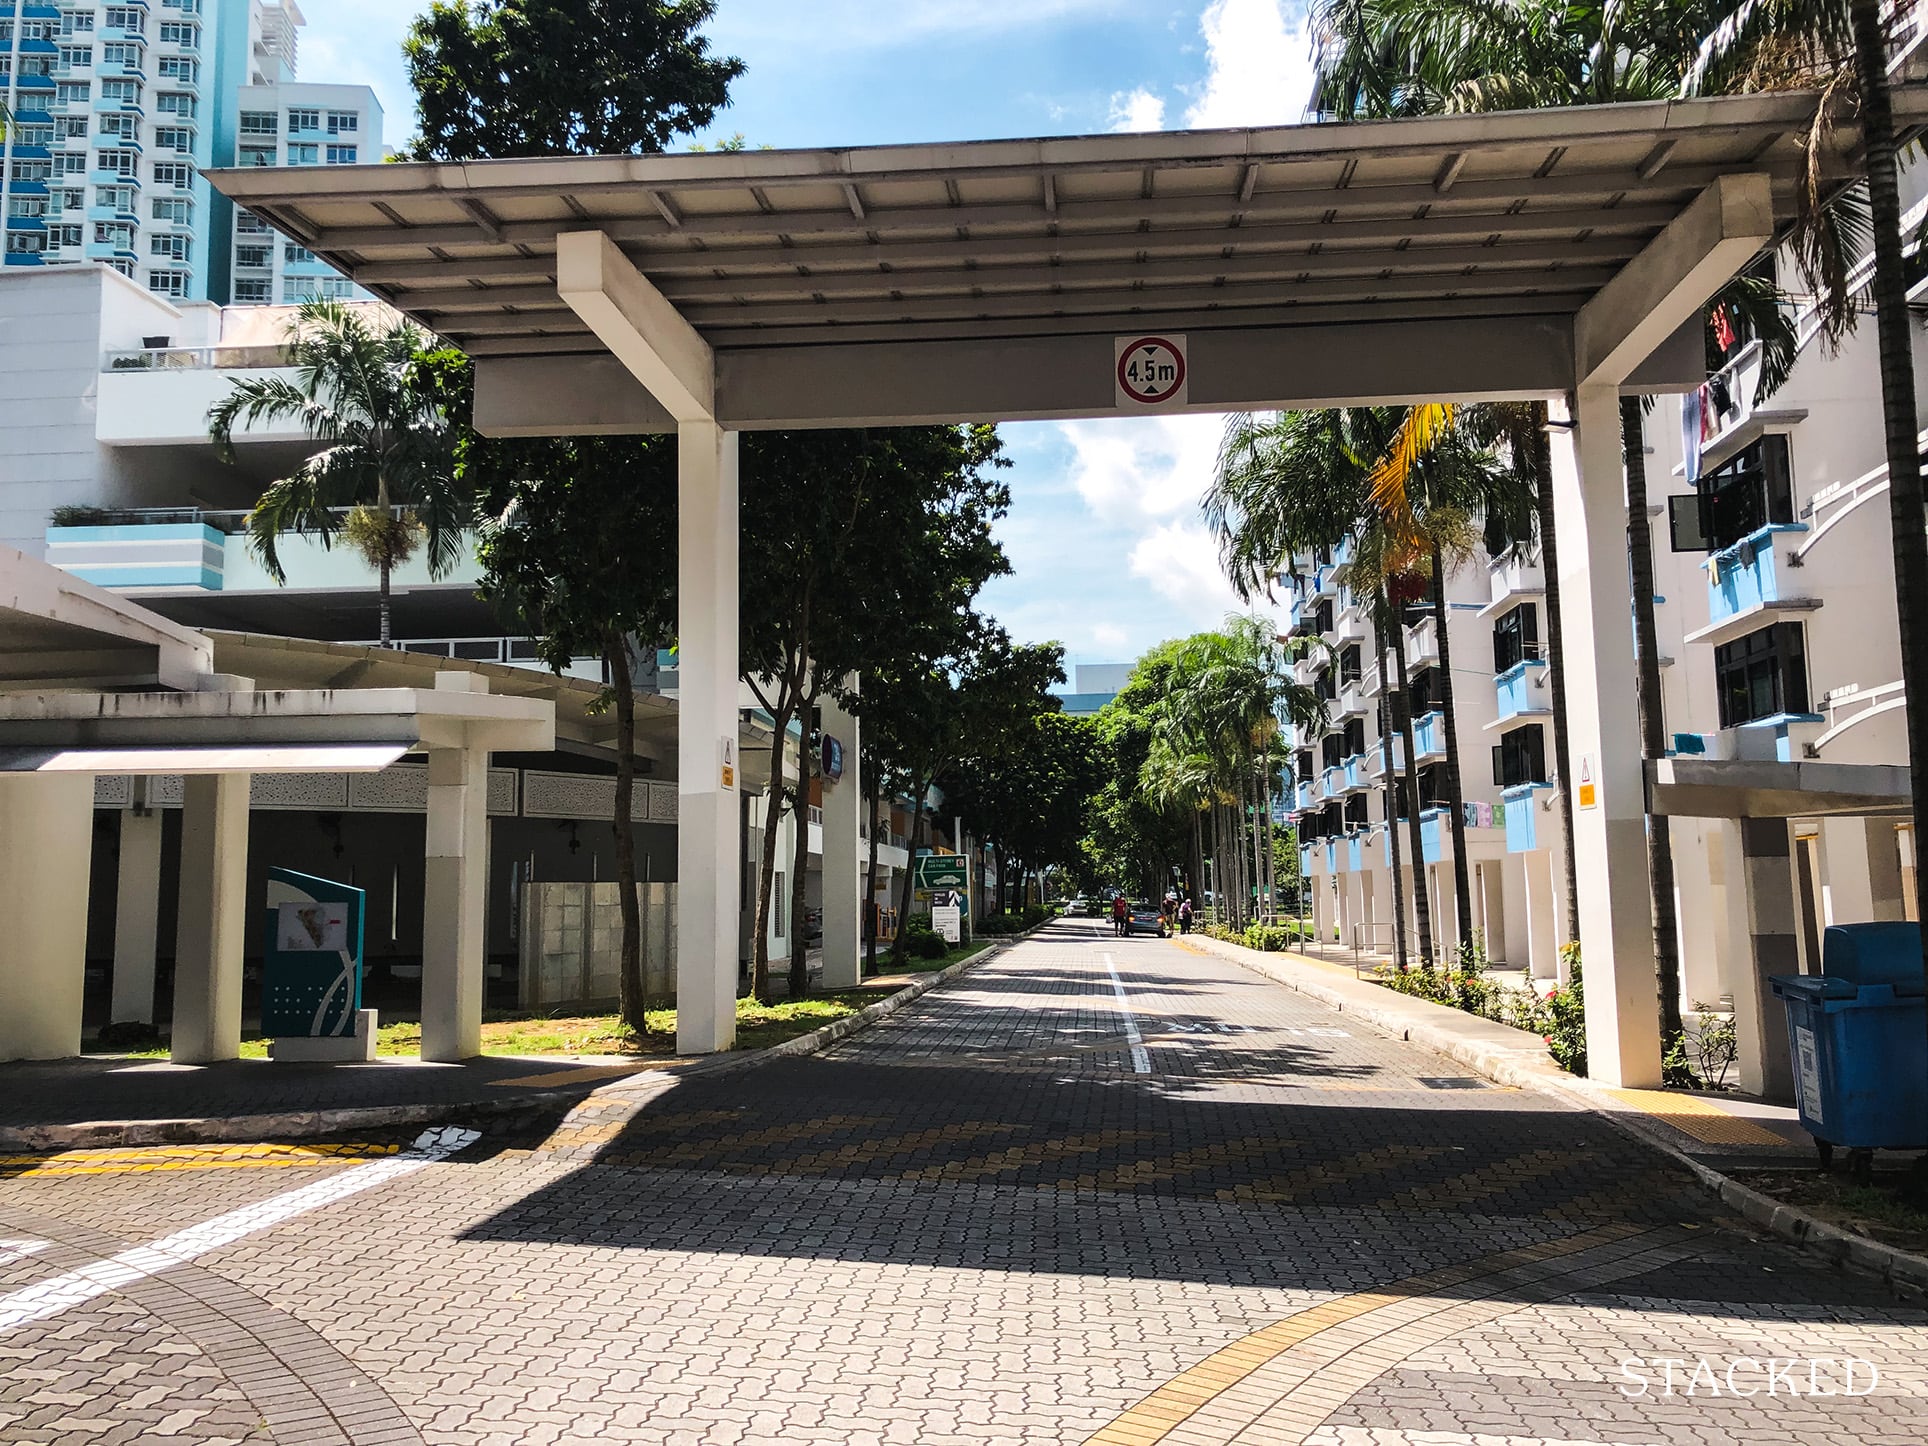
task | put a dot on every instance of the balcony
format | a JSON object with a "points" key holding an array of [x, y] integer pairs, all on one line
{"points": [[1524, 805], [1422, 643], [1752, 584], [186, 548], [1375, 770], [1332, 782], [1352, 625], [1325, 583], [1354, 771], [1352, 700], [1304, 797], [1355, 853], [1510, 580], [1434, 835], [1429, 737], [1523, 691]]}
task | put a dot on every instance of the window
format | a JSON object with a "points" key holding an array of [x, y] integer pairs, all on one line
{"points": [[26, 243], [260, 123], [31, 170], [77, 22], [120, 127], [343, 155], [70, 164], [127, 19], [1355, 737], [1761, 675], [1744, 494], [1520, 757], [27, 206], [294, 255], [316, 288], [72, 198], [1322, 616], [188, 36], [170, 244], [71, 127], [121, 163], [77, 57], [343, 123], [123, 266], [256, 156], [304, 120], [255, 256], [303, 155], [127, 92], [246, 223], [1425, 688], [1350, 664], [116, 54], [253, 290], [174, 102], [1332, 749], [167, 283], [177, 174], [63, 236], [1516, 638], [114, 233], [177, 209], [174, 138], [73, 92], [179, 67], [116, 198]]}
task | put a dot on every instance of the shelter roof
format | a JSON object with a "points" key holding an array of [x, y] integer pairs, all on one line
{"points": [[1527, 212]]}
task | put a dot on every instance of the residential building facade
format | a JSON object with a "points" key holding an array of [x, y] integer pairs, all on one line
{"points": [[118, 110]]}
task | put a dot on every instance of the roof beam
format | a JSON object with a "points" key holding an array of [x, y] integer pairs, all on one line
{"points": [[1667, 283], [637, 323]]}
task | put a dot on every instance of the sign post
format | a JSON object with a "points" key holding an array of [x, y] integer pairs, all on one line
{"points": [[311, 978], [945, 880]]}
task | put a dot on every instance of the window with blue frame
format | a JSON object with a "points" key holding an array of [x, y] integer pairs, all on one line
{"points": [[1762, 675], [1749, 491], [1520, 757]]}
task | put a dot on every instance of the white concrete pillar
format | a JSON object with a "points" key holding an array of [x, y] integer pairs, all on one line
{"points": [[137, 915], [843, 804], [210, 936], [1860, 871], [1608, 789], [1702, 910], [46, 841], [1542, 914], [454, 883], [1516, 883], [709, 853]]}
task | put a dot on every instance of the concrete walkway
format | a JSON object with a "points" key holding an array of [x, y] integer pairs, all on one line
{"points": [[1091, 1191]]}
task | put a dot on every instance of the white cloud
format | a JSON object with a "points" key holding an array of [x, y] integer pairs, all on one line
{"points": [[1259, 54], [1139, 110], [1180, 561], [1109, 635], [1142, 468]]}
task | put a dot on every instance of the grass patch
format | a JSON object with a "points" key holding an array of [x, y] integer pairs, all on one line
{"points": [[889, 968], [1891, 1208]]}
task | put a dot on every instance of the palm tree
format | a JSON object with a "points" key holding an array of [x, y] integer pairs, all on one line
{"points": [[384, 477]]}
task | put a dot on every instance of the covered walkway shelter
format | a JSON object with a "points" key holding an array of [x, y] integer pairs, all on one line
{"points": [[1557, 253]]}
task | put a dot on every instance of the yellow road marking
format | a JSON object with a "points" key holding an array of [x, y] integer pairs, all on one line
{"points": [[145, 1160], [1701, 1119]]}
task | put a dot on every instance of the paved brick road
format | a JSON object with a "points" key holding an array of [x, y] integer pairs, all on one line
{"points": [[1106, 1191]]}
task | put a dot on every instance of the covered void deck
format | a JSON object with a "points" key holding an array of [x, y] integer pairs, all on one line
{"points": [[1561, 254]]}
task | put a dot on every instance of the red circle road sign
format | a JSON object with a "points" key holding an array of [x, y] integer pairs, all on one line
{"points": [[1151, 370]]}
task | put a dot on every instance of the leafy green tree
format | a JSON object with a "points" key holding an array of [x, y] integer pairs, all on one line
{"points": [[576, 541], [1031, 799], [383, 475], [563, 77]]}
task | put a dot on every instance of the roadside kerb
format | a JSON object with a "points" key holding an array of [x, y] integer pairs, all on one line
{"points": [[514, 1111], [1514, 1057]]}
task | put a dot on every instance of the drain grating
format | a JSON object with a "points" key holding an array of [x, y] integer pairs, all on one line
{"points": [[1454, 1082]]}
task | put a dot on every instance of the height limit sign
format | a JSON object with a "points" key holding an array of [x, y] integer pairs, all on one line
{"points": [[1151, 372]]}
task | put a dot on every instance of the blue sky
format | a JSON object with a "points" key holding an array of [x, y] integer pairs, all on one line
{"points": [[1104, 534]]}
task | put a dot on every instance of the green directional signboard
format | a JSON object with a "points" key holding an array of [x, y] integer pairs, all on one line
{"points": [[932, 873]]}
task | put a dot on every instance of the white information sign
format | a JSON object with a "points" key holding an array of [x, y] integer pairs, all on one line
{"points": [[1152, 371], [1808, 1066], [728, 758], [309, 928], [948, 921]]}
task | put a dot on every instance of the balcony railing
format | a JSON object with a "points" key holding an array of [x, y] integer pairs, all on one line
{"points": [[1850, 706], [1753, 572], [196, 358], [1523, 808], [1512, 577], [1429, 736], [1522, 689]]}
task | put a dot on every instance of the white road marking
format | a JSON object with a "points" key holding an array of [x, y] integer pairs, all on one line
{"points": [[1140, 1056], [76, 1287], [12, 1250]]}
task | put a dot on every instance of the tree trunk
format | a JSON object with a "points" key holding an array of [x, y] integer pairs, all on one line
{"points": [[1895, 333], [630, 978], [871, 790], [1653, 743], [384, 605], [800, 876], [767, 861], [899, 946], [1556, 660], [1455, 793], [1415, 831], [1381, 624]]}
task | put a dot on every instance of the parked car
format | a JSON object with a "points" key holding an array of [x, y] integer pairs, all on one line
{"points": [[1147, 918], [1077, 907]]}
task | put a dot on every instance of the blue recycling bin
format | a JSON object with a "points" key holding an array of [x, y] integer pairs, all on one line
{"points": [[1858, 1038]]}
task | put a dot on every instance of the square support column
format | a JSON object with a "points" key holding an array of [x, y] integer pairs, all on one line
{"points": [[843, 803], [455, 877], [210, 937], [137, 911], [709, 846], [46, 841], [1763, 856], [1608, 791]]}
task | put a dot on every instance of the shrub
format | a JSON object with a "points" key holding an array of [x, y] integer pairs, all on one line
{"points": [[925, 944], [1714, 1044], [1267, 938], [1566, 1016]]}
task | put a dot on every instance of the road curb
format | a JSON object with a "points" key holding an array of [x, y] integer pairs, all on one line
{"points": [[1525, 1065], [319, 1124]]}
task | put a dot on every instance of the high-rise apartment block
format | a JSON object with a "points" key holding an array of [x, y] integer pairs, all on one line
{"points": [[117, 109]]}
